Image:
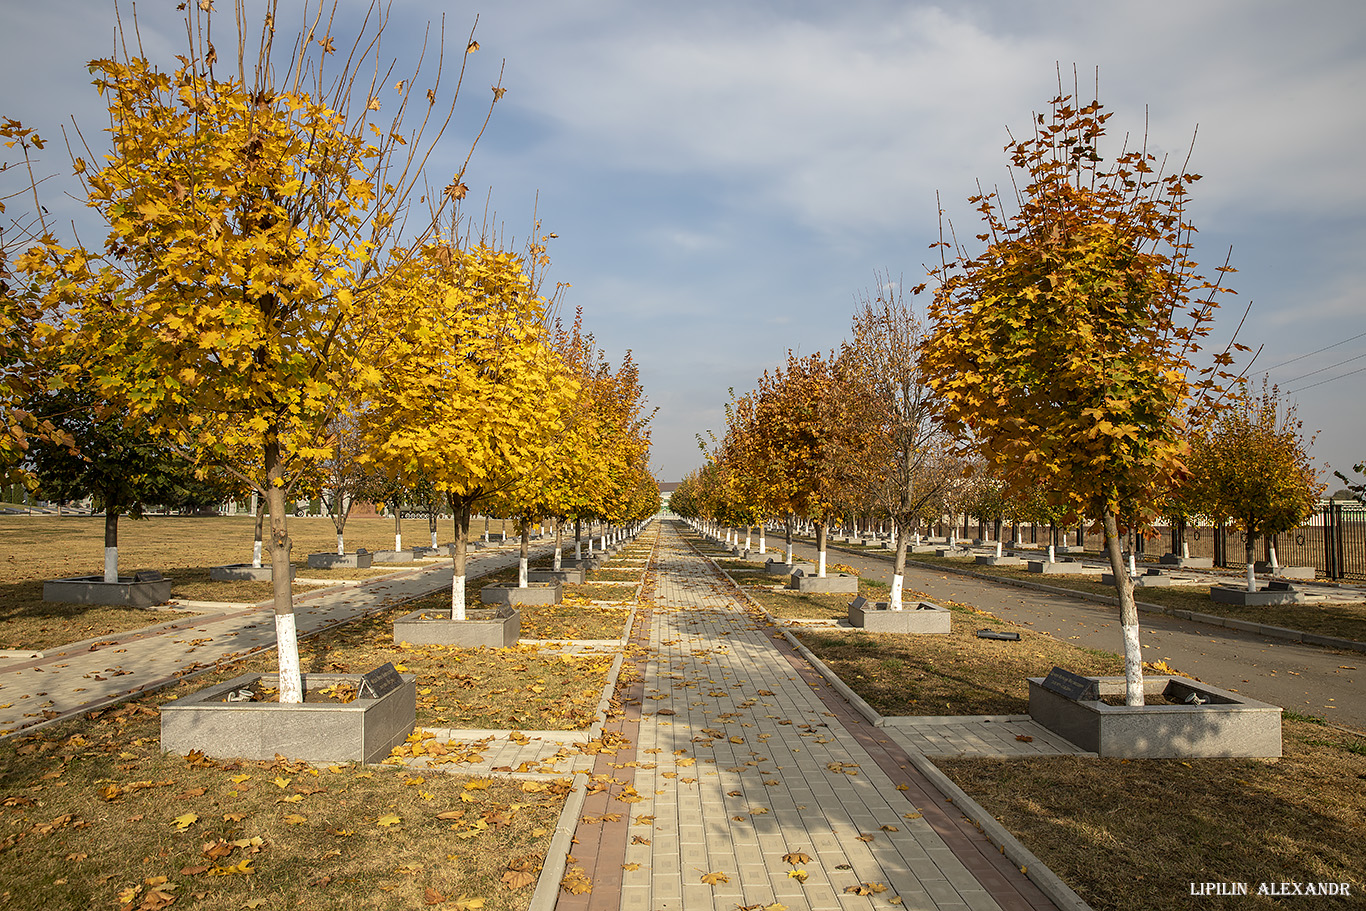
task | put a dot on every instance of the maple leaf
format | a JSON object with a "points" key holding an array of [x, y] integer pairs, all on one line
{"points": [[326, 44], [517, 879], [796, 857], [432, 897], [389, 819], [715, 878], [185, 820]]}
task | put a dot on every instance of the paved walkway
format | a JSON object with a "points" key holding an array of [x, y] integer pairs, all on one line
{"points": [[746, 780], [86, 675]]}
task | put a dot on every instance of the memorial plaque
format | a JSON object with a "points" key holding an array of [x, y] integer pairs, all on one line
{"points": [[992, 634], [149, 575], [381, 680], [857, 603], [1071, 686]]}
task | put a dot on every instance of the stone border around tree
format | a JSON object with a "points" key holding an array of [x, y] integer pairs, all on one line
{"points": [[363, 730]]}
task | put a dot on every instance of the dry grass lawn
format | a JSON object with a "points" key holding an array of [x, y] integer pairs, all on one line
{"points": [[1131, 835]]}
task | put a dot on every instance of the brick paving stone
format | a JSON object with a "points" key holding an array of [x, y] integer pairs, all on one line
{"points": [[743, 756]]}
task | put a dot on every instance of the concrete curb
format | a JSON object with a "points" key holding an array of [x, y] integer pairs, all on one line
{"points": [[854, 699], [1048, 882], [1260, 629], [547, 893]]}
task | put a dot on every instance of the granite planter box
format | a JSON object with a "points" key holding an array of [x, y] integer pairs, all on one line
{"points": [[534, 595], [1285, 572], [569, 575], [363, 730], [1186, 562], [1064, 568], [245, 572], [1151, 579], [361, 559], [1273, 593], [993, 560], [1224, 725], [393, 556], [499, 627], [835, 584], [141, 590], [923, 617], [776, 568]]}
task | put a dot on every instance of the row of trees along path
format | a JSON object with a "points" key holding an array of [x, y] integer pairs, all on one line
{"points": [[1058, 376], [266, 293]]}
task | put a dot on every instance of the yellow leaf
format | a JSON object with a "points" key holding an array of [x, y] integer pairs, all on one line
{"points": [[798, 875], [713, 879], [295, 819], [389, 819], [184, 822]]}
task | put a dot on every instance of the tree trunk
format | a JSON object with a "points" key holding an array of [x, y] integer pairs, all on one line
{"points": [[820, 548], [256, 544], [899, 568], [1128, 614], [286, 632], [559, 546], [524, 554], [763, 548], [339, 521], [788, 527], [398, 528], [461, 508], [111, 543], [1249, 550], [578, 540]]}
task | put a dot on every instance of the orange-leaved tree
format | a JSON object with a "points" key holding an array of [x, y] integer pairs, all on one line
{"points": [[252, 205], [1251, 465], [1065, 347]]}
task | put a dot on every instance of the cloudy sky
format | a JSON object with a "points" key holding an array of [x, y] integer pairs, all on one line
{"points": [[727, 177]]}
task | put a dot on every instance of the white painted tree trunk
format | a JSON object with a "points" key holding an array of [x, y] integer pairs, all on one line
{"points": [[748, 535], [762, 547], [998, 550], [458, 597], [820, 568], [111, 564], [1051, 557], [398, 541], [788, 557], [1133, 569], [256, 555], [433, 539], [1275, 564], [1185, 550], [287, 644], [897, 582], [1251, 577], [341, 546]]}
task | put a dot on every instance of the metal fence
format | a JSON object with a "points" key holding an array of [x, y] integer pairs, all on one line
{"points": [[1333, 541]]}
